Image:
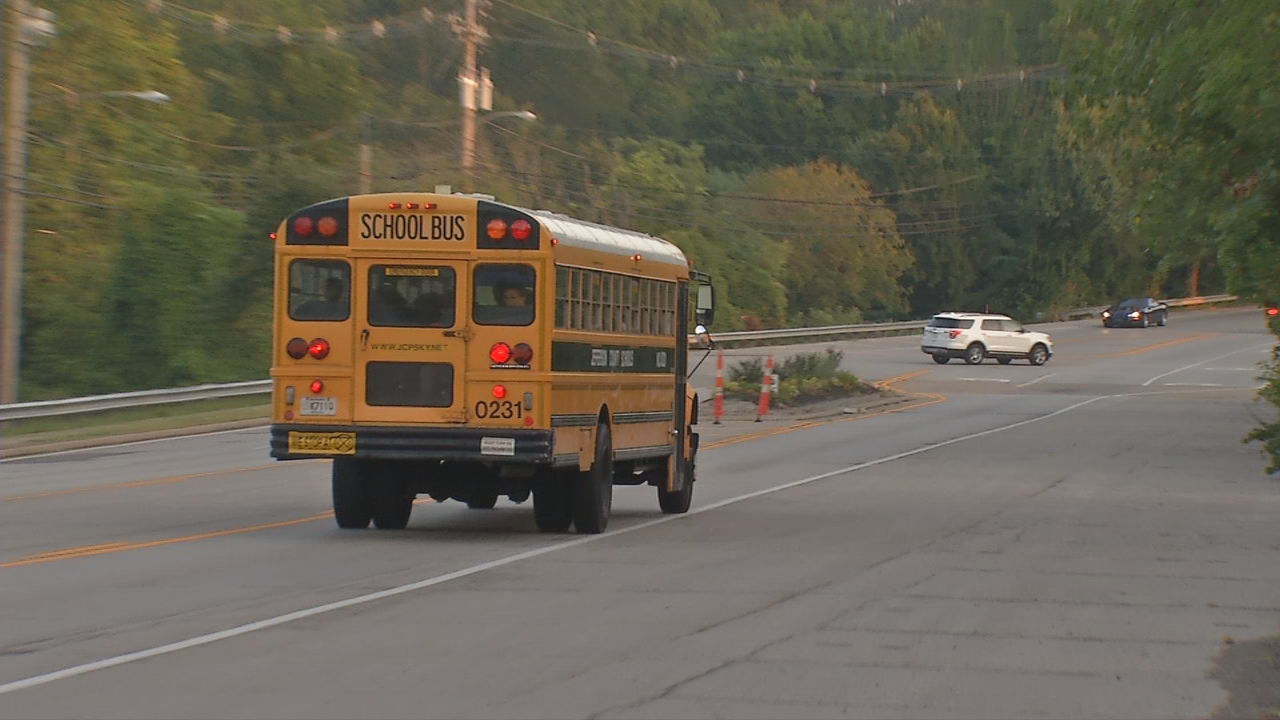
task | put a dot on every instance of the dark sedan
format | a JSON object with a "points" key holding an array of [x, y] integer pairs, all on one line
{"points": [[1136, 312]]}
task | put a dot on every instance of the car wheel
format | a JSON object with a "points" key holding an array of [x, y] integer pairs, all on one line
{"points": [[1004, 361], [1145, 322], [941, 358], [975, 354], [1039, 355], [1164, 319]]}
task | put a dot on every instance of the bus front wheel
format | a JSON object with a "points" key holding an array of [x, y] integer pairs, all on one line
{"points": [[592, 490], [675, 503]]}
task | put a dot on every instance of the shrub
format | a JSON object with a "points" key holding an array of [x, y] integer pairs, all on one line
{"points": [[748, 371], [812, 365]]}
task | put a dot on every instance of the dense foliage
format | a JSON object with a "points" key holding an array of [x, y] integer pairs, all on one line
{"points": [[827, 161]]}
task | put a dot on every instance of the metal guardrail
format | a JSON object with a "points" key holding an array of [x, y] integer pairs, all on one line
{"points": [[97, 403]]}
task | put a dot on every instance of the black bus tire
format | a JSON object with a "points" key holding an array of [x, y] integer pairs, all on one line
{"points": [[592, 491], [352, 508], [551, 510], [392, 504], [678, 502]]}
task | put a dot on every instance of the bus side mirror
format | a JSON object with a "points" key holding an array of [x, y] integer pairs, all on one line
{"points": [[706, 305]]}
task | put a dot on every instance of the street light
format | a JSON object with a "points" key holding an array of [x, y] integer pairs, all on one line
{"points": [[34, 27], [469, 139]]}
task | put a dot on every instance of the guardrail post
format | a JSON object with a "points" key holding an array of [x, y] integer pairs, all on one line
{"points": [[766, 386], [719, 407]]}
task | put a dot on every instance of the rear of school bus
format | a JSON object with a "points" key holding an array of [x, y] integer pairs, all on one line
{"points": [[396, 356]]}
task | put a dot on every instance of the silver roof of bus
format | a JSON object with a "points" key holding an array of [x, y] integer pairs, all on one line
{"points": [[602, 238]]}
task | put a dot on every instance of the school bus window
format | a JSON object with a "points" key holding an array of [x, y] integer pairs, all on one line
{"points": [[562, 296], [619, 302], [665, 301], [608, 303], [633, 305], [593, 302], [503, 295], [319, 290], [411, 296]]}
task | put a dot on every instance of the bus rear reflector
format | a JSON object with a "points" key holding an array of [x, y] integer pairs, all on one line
{"points": [[318, 349], [297, 348]]}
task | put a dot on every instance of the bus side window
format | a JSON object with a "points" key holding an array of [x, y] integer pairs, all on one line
{"points": [[562, 296]]}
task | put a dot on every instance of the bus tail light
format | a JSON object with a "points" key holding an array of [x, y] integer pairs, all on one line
{"points": [[521, 354], [318, 349], [1273, 312], [499, 391], [320, 224], [327, 226], [297, 348], [501, 227], [500, 353], [303, 226], [317, 386]]}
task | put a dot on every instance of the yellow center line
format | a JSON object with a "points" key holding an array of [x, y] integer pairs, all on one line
{"points": [[141, 483], [109, 548], [890, 381], [1160, 345]]}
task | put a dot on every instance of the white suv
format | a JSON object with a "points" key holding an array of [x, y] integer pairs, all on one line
{"points": [[976, 336]]}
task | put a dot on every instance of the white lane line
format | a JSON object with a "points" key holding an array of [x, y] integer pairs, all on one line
{"points": [[95, 448], [985, 379], [1042, 377], [1233, 369], [1203, 362], [214, 637], [1194, 385]]}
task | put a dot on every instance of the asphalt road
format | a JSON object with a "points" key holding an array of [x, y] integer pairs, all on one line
{"points": [[1072, 540]]}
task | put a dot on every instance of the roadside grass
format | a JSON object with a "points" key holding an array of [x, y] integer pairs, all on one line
{"points": [[124, 421]]}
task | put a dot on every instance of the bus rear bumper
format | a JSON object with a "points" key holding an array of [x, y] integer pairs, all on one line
{"points": [[511, 445]]}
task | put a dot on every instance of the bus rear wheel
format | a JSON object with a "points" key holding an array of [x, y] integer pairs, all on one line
{"points": [[352, 507], [592, 491], [551, 509], [392, 502]]}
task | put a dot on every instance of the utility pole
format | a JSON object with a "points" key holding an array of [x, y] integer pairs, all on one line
{"points": [[27, 28], [467, 83], [366, 154]]}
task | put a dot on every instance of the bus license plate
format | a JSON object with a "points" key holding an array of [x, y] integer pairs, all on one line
{"points": [[318, 406], [323, 443]]}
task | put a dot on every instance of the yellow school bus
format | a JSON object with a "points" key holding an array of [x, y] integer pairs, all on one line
{"points": [[458, 347]]}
